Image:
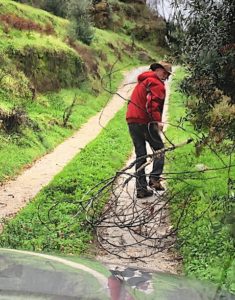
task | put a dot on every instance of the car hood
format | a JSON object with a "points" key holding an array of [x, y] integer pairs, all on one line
{"points": [[29, 275]]}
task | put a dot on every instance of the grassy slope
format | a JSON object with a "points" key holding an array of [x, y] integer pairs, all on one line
{"points": [[208, 248], [34, 14], [46, 111], [18, 39]]}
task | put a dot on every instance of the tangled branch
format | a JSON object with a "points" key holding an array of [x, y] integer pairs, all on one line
{"points": [[134, 228]]}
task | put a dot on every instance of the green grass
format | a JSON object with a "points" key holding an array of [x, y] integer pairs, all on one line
{"points": [[32, 230], [20, 149], [208, 246], [20, 39]]}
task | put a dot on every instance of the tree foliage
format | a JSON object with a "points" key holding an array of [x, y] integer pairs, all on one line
{"points": [[201, 34], [208, 48]]}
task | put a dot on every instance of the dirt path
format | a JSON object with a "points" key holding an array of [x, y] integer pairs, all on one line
{"points": [[163, 261], [16, 193]]}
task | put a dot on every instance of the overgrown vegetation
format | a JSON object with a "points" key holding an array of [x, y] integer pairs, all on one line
{"points": [[207, 244], [205, 42], [150, 28], [41, 71]]}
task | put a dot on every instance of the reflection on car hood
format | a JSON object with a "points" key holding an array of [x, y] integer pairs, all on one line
{"points": [[28, 275]]}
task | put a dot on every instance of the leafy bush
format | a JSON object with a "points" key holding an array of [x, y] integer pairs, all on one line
{"points": [[80, 27], [57, 7], [12, 121], [102, 14]]}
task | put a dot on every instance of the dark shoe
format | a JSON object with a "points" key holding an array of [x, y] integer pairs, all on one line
{"points": [[144, 193], [156, 185]]}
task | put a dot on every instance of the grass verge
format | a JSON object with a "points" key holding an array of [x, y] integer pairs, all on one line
{"points": [[39, 228], [207, 245]]}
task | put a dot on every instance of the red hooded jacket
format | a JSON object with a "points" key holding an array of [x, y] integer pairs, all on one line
{"points": [[147, 99]]}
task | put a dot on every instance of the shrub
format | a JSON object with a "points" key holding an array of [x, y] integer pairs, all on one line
{"points": [[80, 27], [12, 121], [57, 7]]}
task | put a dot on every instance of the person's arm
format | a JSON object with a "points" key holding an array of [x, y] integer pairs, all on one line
{"points": [[155, 102]]}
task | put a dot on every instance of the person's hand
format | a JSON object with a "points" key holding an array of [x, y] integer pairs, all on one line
{"points": [[160, 126]]}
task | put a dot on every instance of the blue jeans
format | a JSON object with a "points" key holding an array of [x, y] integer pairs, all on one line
{"points": [[140, 134]]}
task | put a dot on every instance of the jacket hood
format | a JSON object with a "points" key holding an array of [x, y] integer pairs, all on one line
{"points": [[148, 74]]}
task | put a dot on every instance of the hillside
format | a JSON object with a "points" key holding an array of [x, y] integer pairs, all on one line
{"points": [[50, 84]]}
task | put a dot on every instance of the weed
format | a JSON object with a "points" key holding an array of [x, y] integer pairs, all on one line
{"points": [[68, 111]]}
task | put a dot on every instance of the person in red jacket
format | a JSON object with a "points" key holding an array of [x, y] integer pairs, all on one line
{"points": [[144, 116]]}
